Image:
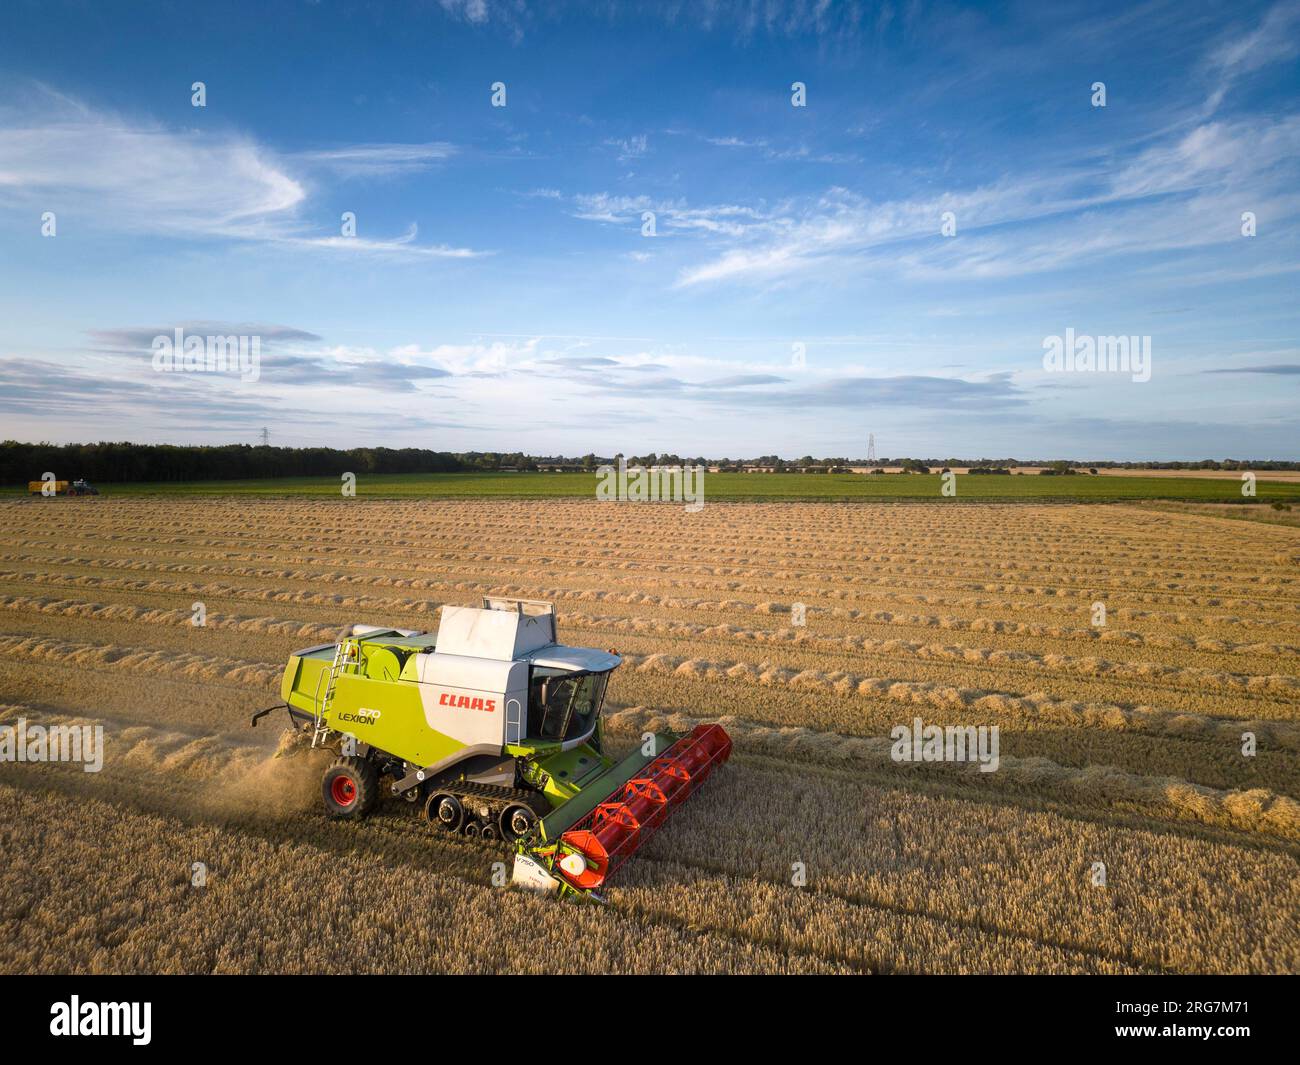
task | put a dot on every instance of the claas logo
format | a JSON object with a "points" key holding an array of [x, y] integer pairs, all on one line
{"points": [[467, 702]]}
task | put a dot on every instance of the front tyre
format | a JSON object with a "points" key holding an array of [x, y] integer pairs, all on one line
{"points": [[350, 788]]}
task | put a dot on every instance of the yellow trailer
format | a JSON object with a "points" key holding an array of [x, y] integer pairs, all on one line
{"points": [[58, 488]]}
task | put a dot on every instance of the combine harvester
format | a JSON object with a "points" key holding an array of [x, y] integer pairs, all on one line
{"points": [[494, 728]]}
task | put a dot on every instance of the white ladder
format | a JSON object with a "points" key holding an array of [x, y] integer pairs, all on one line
{"points": [[344, 652], [514, 722]]}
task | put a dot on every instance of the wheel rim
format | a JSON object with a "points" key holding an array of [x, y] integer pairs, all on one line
{"points": [[343, 790]]}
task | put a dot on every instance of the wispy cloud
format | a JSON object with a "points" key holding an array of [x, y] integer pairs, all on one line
{"points": [[696, 379], [911, 390], [129, 176], [289, 356], [747, 20], [1285, 369], [144, 177], [729, 219], [629, 148], [475, 11], [743, 381], [778, 153], [403, 246], [136, 339], [1275, 39], [379, 160], [1029, 224]]}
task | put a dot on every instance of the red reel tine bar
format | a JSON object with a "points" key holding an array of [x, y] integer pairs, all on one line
{"points": [[612, 832]]}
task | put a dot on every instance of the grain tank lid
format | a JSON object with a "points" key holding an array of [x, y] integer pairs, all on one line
{"points": [[575, 659], [504, 635]]}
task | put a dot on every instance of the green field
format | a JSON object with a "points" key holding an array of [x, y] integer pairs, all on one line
{"points": [[740, 486]]}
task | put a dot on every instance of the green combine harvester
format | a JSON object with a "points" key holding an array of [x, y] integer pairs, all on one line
{"points": [[493, 729]]}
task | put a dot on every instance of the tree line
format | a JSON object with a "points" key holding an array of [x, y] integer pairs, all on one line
{"points": [[110, 462]]}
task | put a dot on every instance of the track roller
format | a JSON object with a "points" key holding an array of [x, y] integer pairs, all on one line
{"points": [[445, 811], [517, 821]]}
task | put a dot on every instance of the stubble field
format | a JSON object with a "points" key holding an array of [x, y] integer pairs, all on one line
{"points": [[1121, 745]]}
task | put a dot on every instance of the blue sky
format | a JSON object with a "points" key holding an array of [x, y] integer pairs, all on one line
{"points": [[798, 292]]}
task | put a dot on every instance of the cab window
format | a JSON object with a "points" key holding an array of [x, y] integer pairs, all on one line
{"points": [[563, 706]]}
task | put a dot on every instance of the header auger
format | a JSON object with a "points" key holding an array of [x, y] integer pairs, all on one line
{"points": [[494, 729]]}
